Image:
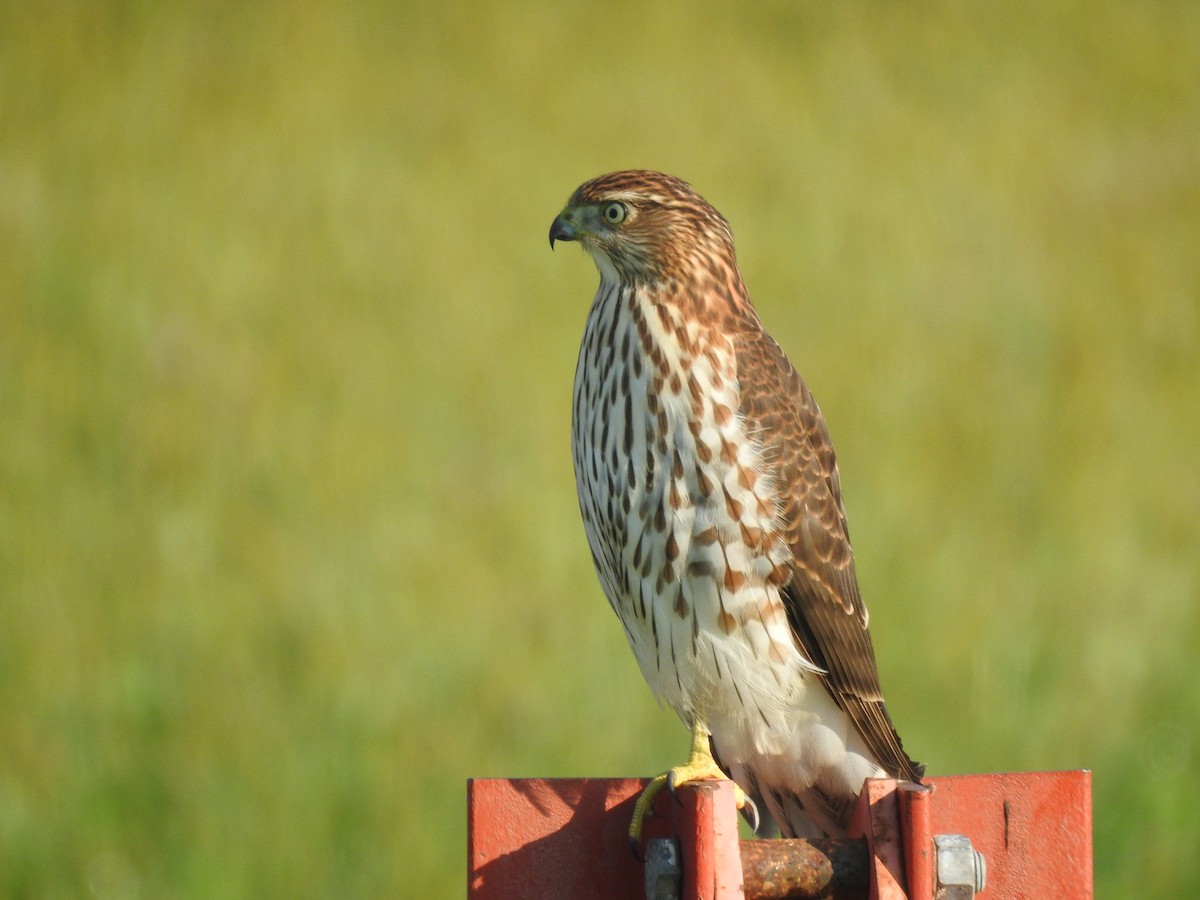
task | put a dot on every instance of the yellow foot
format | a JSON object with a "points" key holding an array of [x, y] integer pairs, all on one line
{"points": [[699, 767]]}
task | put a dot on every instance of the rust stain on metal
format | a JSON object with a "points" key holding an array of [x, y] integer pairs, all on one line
{"points": [[805, 869]]}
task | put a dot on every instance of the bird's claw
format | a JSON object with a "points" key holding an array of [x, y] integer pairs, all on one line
{"points": [[673, 780], [673, 783], [635, 847], [745, 804], [640, 810], [749, 809]]}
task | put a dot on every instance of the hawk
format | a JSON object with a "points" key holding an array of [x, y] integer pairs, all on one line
{"points": [[713, 509]]}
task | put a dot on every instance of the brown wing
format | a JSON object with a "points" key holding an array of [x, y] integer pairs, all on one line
{"points": [[822, 600]]}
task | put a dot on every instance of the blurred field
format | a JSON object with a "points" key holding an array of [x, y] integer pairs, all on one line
{"points": [[288, 537]]}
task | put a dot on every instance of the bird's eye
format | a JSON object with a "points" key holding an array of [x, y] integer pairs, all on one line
{"points": [[614, 213]]}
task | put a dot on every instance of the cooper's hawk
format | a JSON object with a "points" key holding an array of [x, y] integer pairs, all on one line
{"points": [[711, 501]]}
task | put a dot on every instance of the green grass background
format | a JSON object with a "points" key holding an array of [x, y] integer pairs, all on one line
{"points": [[289, 546]]}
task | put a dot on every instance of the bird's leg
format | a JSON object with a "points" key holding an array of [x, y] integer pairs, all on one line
{"points": [[700, 767]]}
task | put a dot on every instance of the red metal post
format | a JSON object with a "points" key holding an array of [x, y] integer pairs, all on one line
{"points": [[915, 801], [877, 818], [706, 823], [541, 838], [1033, 828], [538, 838]]}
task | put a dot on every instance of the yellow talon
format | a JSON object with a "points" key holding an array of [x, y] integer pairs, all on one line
{"points": [[644, 801], [700, 767]]}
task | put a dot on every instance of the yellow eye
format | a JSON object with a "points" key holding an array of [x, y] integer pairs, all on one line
{"points": [[614, 212]]}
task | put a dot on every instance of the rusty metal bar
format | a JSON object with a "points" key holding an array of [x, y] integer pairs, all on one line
{"points": [[820, 869]]}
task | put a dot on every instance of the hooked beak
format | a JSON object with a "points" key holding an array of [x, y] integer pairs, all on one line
{"points": [[561, 230]]}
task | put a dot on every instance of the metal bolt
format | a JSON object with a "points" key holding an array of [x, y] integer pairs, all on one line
{"points": [[664, 873], [961, 869]]}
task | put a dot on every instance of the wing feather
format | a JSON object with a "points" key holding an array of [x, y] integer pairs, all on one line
{"points": [[823, 604]]}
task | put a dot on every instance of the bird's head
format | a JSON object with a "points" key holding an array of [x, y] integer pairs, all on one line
{"points": [[643, 226]]}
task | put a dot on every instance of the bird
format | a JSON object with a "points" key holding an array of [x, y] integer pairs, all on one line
{"points": [[712, 504]]}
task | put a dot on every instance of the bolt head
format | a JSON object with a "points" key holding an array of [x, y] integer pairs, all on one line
{"points": [[961, 869], [664, 871]]}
